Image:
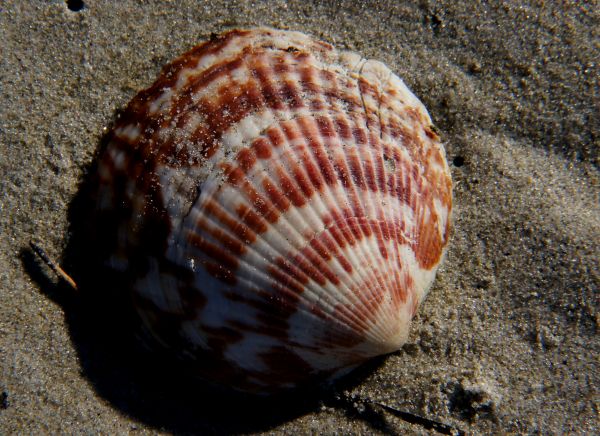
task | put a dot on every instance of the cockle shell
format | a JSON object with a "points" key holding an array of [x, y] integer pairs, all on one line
{"points": [[279, 207]]}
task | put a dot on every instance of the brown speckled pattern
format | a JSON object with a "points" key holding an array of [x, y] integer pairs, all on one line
{"points": [[279, 206]]}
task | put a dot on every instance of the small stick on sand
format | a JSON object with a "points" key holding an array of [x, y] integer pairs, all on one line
{"points": [[413, 418], [53, 265], [410, 417]]}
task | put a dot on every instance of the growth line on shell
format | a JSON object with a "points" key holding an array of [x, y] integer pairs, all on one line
{"points": [[55, 267]]}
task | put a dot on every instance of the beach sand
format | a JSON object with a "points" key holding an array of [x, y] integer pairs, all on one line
{"points": [[507, 340]]}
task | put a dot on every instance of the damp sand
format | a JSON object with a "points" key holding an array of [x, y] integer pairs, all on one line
{"points": [[507, 340]]}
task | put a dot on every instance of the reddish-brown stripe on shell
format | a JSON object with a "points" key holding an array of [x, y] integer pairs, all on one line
{"points": [[302, 192]]}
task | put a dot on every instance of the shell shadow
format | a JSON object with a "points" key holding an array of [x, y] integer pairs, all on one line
{"points": [[148, 385]]}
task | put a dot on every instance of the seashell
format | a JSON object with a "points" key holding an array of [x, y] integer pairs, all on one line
{"points": [[279, 208]]}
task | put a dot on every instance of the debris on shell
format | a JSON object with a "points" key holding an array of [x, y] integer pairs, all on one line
{"points": [[278, 207]]}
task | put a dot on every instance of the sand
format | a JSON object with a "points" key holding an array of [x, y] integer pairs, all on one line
{"points": [[506, 342]]}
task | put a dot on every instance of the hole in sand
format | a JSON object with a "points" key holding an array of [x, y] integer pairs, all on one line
{"points": [[458, 161], [75, 5]]}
